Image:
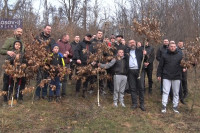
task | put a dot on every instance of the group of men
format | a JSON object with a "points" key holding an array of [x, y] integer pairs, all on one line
{"points": [[172, 75]]}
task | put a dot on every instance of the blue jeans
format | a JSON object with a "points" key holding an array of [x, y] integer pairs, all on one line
{"points": [[56, 82], [44, 91]]}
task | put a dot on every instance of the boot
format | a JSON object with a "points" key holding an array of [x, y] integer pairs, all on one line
{"points": [[57, 99], [150, 91], [84, 93], [50, 99], [5, 99]]}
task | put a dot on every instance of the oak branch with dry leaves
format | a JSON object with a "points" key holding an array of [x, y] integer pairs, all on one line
{"points": [[99, 56], [148, 29], [37, 58]]}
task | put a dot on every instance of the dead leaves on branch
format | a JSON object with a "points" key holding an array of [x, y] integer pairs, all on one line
{"points": [[103, 54], [191, 55], [37, 57], [149, 28]]}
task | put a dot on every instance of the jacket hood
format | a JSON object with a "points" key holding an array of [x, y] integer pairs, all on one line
{"points": [[20, 45]]}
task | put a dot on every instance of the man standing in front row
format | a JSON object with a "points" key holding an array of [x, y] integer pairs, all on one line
{"points": [[170, 70], [136, 84]]}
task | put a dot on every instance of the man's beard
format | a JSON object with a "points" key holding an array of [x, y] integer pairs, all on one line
{"points": [[133, 47], [18, 37]]}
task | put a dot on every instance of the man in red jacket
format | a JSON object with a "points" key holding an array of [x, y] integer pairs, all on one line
{"points": [[66, 49]]}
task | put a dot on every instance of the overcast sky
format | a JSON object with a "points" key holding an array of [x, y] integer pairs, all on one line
{"points": [[109, 4]]}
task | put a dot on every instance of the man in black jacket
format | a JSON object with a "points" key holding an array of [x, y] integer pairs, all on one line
{"points": [[136, 84], [81, 60], [44, 36], [149, 64], [161, 50], [73, 44], [118, 44], [170, 70], [183, 87], [97, 40]]}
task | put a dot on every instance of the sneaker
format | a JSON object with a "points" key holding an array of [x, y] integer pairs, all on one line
{"points": [[44, 97], [50, 99], [142, 108], [57, 99], [63, 94], [123, 105], [37, 98], [90, 91], [182, 101], [175, 109], [115, 104], [134, 106], [163, 109], [103, 92]]}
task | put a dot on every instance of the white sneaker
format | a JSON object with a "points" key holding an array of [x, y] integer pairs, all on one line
{"points": [[164, 110], [175, 110], [115, 104], [123, 105]]}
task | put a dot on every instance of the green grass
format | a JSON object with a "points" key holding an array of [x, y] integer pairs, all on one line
{"points": [[81, 115]]}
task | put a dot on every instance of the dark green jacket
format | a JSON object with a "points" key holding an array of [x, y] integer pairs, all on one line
{"points": [[8, 45]]}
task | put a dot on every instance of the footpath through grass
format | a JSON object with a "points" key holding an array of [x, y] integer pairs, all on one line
{"points": [[79, 115]]}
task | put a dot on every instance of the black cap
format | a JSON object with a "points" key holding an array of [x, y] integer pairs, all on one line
{"points": [[120, 36], [88, 35]]}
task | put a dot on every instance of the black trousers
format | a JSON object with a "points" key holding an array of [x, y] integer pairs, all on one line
{"points": [[89, 79], [149, 71], [8, 84], [136, 86], [110, 84], [183, 86]]}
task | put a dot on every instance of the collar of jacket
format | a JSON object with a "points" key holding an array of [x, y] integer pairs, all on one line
{"points": [[42, 34], [63, 42], [165, 46], [87, 42], [146, 46]]}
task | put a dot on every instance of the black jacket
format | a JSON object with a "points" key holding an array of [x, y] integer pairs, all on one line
{"points": [[42, 37], [169, 66], [150, 53], [161, 50], [94, 42], [120, 66], [57, 59], [74, 45], [139, 56], [119, 46], [79, 54]]}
